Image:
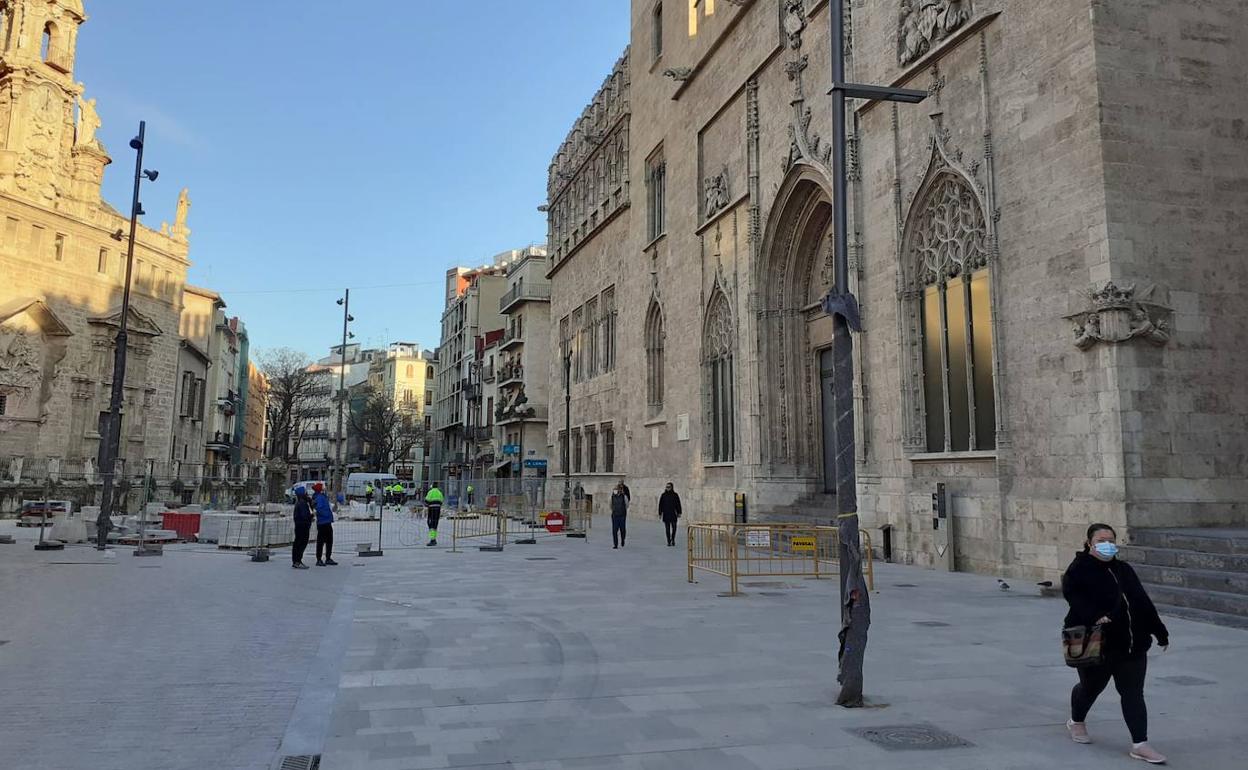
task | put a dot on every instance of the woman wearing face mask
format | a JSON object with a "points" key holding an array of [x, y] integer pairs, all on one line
{"points": [[1102, 589]]}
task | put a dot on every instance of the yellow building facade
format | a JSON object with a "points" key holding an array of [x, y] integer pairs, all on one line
{"points": [[62, 263]]}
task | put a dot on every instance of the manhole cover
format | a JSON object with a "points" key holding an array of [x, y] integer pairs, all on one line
{"points": [[1186, 681], [539, 558], [305, 762], [931, 623], [904, 585], [910, 737]]}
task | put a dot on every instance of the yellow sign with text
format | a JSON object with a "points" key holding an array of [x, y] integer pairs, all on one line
{"points": [[803, 544]]}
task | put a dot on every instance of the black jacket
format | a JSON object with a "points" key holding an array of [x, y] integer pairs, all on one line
{"points": [[1096, 589], [303, 510], [669, 506]]}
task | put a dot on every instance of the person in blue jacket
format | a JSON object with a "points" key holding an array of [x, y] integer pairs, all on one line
{"points": [[303, 526], [324, 526]]}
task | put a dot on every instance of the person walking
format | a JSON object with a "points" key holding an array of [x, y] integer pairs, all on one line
{"points": [[368, 494], [1101, 589], [324, 527], [669, 512], [619, 515], [433, 512], [303, 527]]}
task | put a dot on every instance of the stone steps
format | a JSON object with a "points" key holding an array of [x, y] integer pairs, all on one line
{"points": [[1201, 574]]}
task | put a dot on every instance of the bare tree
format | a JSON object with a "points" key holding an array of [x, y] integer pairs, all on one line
{"points": [[294, 393], [388, 429]]}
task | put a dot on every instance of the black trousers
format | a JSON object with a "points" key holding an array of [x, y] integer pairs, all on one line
{"points": [[302, 530], [324, 541], [1128, 676], [618, 528], [670, 527], [432, 517]]}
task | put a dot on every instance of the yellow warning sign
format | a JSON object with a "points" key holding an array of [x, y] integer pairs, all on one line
{"points": [[803, 543]]}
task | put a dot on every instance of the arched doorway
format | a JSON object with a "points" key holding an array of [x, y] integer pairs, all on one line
{"points": [[794, 274]]}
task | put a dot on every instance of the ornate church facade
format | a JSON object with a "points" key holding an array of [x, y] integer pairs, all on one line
{"points": [[1048, 255], [62, 265]]}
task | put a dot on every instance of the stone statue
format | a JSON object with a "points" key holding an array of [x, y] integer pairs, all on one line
{"points": [[180, 229], [924, 23], [716, 196], [88, 123], [1088, 333]]}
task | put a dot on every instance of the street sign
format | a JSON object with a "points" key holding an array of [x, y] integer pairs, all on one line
{"points": [[535, 463], [758, 538], [511, 449], [803, 543], [554, 521]]}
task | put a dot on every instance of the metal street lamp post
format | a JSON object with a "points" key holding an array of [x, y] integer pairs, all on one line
{"points": [[843, 307], [345, 301], [110, 443], [567, 428]]}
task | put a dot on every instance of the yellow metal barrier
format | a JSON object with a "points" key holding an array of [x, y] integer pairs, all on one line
{"points": [[735, 551], [485, 526]]}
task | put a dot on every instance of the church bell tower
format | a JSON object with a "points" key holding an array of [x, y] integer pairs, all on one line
{"points": [[40, 144]]}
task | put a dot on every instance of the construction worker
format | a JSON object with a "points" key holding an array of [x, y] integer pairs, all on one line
{"points": [[368, 493], [399, 494], [433, 512], [470, 491]]}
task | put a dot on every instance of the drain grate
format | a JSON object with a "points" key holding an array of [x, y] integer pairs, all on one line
{"points": [[1186, 681], [931, 623], [3, 642], [904, 585], [918, 737], [772, 593], [764, 584], [539, 558], [301, 762]]}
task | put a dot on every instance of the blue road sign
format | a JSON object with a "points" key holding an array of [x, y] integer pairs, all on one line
{"points": [[535, 463]]}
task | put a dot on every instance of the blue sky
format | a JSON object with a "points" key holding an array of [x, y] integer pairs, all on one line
{"points": [[326, 149]]}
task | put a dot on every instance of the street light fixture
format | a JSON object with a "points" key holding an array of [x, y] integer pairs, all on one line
{"points": [[345, 302], [109, 443]]}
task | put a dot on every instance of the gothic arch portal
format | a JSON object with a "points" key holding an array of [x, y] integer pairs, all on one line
{"points": [[792, 275]]}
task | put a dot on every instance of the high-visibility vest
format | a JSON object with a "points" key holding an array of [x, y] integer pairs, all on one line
{"points": [[434, 496]]}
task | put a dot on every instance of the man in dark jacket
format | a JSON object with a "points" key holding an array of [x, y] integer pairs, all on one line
{"points": [[669, 512], [324, 527], [303, 526], [619, 515]]}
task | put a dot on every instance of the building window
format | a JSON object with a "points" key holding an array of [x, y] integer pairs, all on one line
{"points": [[563, 451], [591, 442], [608, 329], [656, 195], [578, 450], [101, 265], [428, 398], [949, 273], [407, 396], [58, 247], [591, 338], [429, 373], [654, 358], [578, 344], [717, 366], [656, 32], [608, 448], [410, 371], [4, 402], [45, 46]]}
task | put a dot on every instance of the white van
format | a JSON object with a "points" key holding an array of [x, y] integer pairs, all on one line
{"points": [[357, 481]]}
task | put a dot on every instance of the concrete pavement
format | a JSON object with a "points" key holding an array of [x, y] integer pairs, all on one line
{"points": [[595, 658], [560, 655]]}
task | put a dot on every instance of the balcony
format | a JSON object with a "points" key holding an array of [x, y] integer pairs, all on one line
{"points": [[312, 435], [512, 339], [522, 293], [487, 373], [510, 374], [60, 58], [540, 414], [220, 442]]}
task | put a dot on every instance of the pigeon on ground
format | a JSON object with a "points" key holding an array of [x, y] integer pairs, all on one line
{"points": [[1004, 585]]}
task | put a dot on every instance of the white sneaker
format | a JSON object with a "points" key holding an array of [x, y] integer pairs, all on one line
{"points": [[1145, 753], [1078, 731]]}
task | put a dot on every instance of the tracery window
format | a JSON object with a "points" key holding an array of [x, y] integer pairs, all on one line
{"points": [[654, 358], [717, 366], [946, 247]]}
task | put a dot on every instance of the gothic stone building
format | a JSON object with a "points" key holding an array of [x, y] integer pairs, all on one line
{"points": [[1047, 252], [62, 266]]}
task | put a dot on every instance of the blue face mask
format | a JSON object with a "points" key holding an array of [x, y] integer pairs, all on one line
{"points": [[1106, 550]]}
